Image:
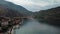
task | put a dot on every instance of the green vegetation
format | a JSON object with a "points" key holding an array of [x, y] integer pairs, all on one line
{"points": [[51, 16]]}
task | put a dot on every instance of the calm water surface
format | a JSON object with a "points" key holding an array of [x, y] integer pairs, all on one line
{"points": [[32, 26]]}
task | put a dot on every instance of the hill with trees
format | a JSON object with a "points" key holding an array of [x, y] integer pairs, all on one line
{"points": [[52, 16], [18, 8]]}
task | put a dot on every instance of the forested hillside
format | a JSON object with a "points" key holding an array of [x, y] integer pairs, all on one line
{"points": [[51, 15]]}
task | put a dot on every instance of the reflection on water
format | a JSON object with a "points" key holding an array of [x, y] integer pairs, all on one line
{"points": [[32, 26]]}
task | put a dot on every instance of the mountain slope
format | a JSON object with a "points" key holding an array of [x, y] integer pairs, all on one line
{"points": [[4, 11], [18, 8], [52, 16]]}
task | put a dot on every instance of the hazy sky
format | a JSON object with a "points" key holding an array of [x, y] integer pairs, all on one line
{"points": [[35, 5]]}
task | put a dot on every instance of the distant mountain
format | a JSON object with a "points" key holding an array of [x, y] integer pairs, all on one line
{"points": [[50, 15], [6, 12], [18, 8], [54, 14]]}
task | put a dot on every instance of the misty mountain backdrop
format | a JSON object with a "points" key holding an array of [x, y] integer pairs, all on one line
{"points": [[52, 16], [15, 7]]}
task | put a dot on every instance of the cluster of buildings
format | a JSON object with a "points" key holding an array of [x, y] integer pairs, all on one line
{"points": [[7, 24]]}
